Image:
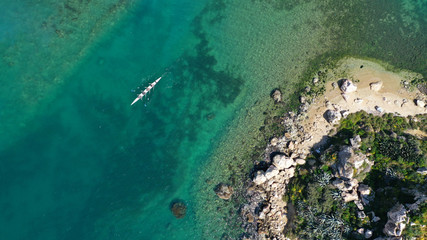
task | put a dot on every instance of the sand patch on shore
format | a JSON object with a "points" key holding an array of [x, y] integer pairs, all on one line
{"points": [[391, 98]]}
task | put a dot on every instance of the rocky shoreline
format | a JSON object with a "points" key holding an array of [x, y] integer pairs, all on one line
{"points": [[267, 214]]}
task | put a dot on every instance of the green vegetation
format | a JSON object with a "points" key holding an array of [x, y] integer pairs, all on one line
{"points": [[321, 212]]}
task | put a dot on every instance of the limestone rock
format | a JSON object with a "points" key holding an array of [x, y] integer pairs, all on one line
{"points": [[300, 161], [359, 204], [289, 173], [368, 233], [358, 100], [259, 178], [274, 141], [277, 95], [315, 80], [397, 214], [420, 103], [348, 86], [344, 113], [348, 161], [224, 191], [361, 214], [282, 161], [379, 109], [364, 190], [355, 142], [422, 171], [271, 172], [376, 86], [332, 116], [396, 221], [350, 196]]}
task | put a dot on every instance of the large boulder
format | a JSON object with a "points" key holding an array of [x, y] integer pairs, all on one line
{"points": [[281, 161], [224, 191], [276, 95], [332, 116], [349, 196], [348, 162], [356, 141], [420, 103], [271, 172], [259, 178], [364, 190], [348, 86], [376, 86], [396, 221], [178, 208], [368, 233]]}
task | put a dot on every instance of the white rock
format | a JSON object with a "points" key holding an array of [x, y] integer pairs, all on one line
{"points": [[315, 80], [348, 86], [376, 86], [274, 141], [282, 161], [396, 221], [361, 231], [358, 100], [379, 109], [291, 145], [364, 190], [289, 173], [368, 233], [332, 116], [361, 214], [345, 113], [420, 103], [359, 204], [355, 142], [350, 196], [259, 178], [300, 161], [271, 172]]}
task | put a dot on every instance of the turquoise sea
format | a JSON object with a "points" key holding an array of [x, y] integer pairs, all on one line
{"points": [[78, 162]]}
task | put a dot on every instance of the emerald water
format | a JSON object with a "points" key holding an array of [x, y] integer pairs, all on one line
{"points": [[78, 162]]}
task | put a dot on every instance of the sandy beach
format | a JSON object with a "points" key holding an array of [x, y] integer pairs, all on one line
{"points": [[392, 97]]}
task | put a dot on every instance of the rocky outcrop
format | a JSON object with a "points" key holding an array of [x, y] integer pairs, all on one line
{"points": [[348, 86], [376, 86], [224, 191], [266, 212], [332, 116], [259, 178], [281, 161], [348, 162], [397, 220], [355, 141]]}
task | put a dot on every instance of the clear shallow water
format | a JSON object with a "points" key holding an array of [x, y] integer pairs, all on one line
{"points": [[77, 162]]}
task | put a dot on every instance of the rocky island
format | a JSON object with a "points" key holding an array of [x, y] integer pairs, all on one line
{"points": [[350, 163]]}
